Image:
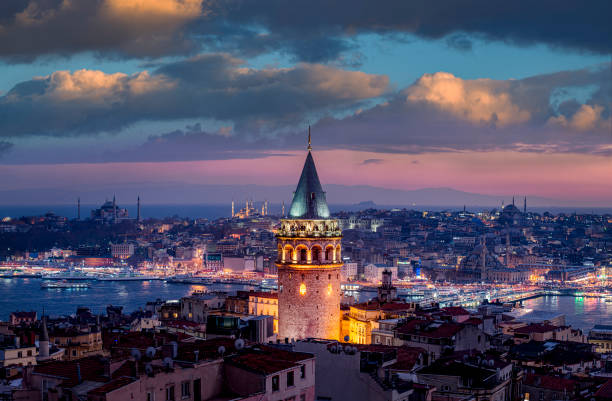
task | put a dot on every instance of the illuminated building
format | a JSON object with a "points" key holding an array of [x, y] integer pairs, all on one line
{"points": [[309, 262], [264, 303]]}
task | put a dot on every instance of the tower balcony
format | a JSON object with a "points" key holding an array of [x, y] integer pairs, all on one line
{"points": [[302, 228]]}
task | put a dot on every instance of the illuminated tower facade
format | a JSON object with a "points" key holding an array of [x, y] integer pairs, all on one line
{"points": [[309, 261]]}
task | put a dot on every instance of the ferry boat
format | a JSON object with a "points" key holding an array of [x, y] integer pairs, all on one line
{"points": [[64, 285], [269, 284], [350, 287], [69, 275], [127, 275]]}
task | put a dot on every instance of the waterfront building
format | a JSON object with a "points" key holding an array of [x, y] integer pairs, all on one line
{"points": [[122, 251], [601, 337], [373, 272], [19, 318], [197, 306], [309, 261], [77, 343], [348, 271]]}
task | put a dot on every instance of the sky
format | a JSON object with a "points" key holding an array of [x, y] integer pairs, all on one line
{"points": [[491, 97]]}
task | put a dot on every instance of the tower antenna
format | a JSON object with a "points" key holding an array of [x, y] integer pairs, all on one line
{"points": [[309, 147]]}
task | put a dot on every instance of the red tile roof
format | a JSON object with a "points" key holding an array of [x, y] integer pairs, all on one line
{"points": [[430, 329], [455, 311], [385, 306], [535, 328], [473, 320], [268, 360], [263, 294], [112, 385], [30, 315], [550, 382], [91, 368]]}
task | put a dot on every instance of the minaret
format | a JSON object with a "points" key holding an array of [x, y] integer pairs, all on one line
{"points": [[114, 208], [513, 201], [232, 208], [247, 208], [283, 210], [507, 258], [138, 210], [525, 205], [43, 340], [309, 262], [79, 208]]}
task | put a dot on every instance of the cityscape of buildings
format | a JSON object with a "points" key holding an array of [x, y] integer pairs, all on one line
{"points": [[372, 305]]}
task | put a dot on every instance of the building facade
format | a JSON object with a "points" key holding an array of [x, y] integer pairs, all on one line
{"points": [[309, 262]]}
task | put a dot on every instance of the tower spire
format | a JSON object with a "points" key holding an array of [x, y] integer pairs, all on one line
{"points": [[309, 147]]}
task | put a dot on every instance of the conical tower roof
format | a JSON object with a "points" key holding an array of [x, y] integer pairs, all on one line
{"points": [[309, 199], [44, 336]]}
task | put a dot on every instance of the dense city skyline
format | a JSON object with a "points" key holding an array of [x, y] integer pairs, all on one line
{"points": [[400, 96]]}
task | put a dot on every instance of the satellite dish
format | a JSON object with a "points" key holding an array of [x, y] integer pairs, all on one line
{"points": [[150, 352], [239, 344], [346, 338], [136, 354], [221, 350], [168, 362], [149, 369]]}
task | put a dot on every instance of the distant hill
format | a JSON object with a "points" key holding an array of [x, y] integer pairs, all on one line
{"points": [[178, 193]]}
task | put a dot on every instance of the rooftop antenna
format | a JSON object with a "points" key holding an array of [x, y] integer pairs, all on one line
{"points": [[309, 147]]}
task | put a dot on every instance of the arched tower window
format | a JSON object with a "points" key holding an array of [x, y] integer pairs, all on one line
{"points": [[288, 253], [303, 255], [316, 254], [329, 253]]}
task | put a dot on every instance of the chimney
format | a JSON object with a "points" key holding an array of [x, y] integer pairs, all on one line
{"points": [[79, 377]]}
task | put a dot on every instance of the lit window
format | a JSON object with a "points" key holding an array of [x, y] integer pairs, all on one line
{"points": [[329, 289], [302, 289]]}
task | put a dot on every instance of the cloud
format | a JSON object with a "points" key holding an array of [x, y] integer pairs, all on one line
{"points": [[372, 161], [478, 101], [460, 42], [444, 113], [320, 30], [5, 147], [586, 118], [212, 86], [134, 28], [251, 113], [310, 31]]}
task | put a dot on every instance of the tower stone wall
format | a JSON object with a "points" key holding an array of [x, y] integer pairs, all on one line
{"points": [[309, 262]]}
